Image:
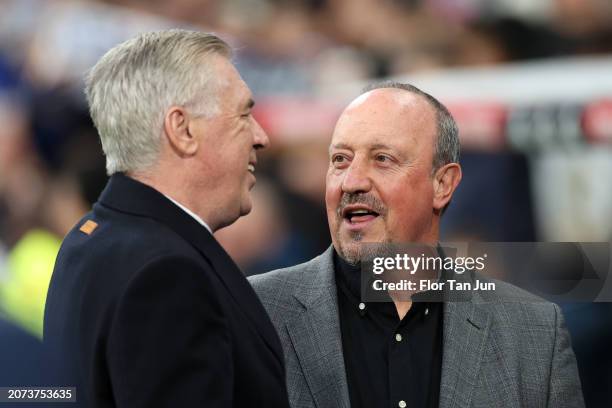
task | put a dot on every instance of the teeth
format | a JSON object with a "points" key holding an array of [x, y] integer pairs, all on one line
{"points": [[359, 212], [251, 168]]}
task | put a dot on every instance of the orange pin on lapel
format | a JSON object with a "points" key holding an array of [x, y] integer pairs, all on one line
{"points": [[88, 227]]}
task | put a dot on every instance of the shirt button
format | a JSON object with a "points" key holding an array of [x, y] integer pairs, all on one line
{"points": [[362, 306], [402, 404], [398, 337], [426, 311]]}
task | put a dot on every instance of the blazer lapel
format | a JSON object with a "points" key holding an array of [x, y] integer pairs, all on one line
{"points": [[316, 338], [466, 327]]}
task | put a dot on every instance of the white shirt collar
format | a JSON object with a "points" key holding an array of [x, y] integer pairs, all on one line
{"points": [[188, 211]]}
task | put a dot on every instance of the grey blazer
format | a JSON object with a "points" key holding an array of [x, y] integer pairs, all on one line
{"points": [[496, 354]]}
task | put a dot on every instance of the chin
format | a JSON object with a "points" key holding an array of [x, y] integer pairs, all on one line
{"points": [[246, 207], [350, 252]]}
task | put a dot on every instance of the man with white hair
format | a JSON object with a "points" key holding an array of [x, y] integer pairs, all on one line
{"points": [[145, 308]]}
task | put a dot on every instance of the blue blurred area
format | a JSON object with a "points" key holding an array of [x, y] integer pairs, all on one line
{"points": [[493, 202], [591, 331], [9, 75], [21, 357]]}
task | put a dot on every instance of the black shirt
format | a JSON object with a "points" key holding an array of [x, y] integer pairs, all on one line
{"points": [[389, 363]]}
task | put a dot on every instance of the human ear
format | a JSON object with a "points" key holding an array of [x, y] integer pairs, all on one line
{"points": [[179, 133], [446, 180]]}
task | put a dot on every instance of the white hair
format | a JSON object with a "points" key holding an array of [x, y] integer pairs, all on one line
{"points": [[132, 86]]}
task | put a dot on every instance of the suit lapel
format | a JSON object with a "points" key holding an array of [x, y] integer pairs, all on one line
{"points": [[466, 327], [241, 291], [316, 337], [130, 196]]}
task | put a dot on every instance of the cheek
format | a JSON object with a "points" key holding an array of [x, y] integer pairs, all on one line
{"points": [[412, 203], [333, 194], [333, 189]]}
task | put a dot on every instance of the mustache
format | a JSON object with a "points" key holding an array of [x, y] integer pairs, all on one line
{"points": [[361, 198]]}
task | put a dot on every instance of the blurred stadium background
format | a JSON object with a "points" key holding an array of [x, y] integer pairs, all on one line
{"points": [[529, 82]]}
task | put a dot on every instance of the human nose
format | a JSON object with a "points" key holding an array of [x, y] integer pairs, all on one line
{"points": [[260, 138], [356, 178]]}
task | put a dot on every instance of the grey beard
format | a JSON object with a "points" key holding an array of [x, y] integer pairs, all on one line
{"points": [[354, 253], [351, 256], [351, 252]]}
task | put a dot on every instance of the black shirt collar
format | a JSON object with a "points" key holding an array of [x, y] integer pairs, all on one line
{"points": [[348, 280], [348, 274]]}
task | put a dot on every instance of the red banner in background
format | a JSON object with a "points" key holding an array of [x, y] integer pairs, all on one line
{"points": [[483, 125], [597, 121]]}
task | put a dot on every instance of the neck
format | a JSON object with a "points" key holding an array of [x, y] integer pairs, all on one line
{"points": [[402, 307], [172, 185]]}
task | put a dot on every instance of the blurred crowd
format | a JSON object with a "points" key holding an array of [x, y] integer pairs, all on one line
{"points": [[292, 53]]}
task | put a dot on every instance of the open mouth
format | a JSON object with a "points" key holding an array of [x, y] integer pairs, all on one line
{"points": [[355, 214], [252, 164]]}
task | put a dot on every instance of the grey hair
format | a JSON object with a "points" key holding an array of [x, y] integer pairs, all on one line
{"points": [[448, 148], [131, 87]]}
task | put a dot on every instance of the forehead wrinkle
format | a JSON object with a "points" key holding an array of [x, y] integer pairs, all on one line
{"points": [[351, 129], [377, 143]]}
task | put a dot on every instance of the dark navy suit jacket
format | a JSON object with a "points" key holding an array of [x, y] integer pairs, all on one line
{"points": [[146, 309]]}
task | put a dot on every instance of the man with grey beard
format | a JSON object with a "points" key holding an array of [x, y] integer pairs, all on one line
{"points": [[393, 170]]}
